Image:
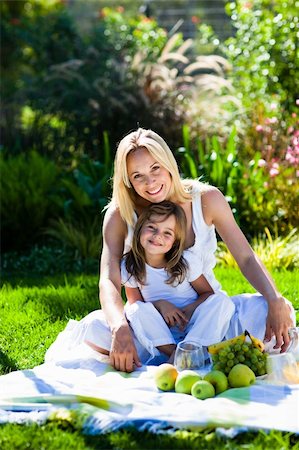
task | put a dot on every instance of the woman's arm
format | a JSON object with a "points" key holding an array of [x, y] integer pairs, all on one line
{"points": [[123, 353], [217, 211], [204, 291]]}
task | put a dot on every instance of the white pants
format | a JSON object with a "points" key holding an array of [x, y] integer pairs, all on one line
{"points": [[208, 324], [249, 311]]}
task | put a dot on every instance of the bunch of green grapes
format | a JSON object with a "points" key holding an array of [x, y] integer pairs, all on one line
{"points": [[245, 353]]}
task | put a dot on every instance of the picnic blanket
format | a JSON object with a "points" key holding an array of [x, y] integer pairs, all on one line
{"points": [[114, 400]]}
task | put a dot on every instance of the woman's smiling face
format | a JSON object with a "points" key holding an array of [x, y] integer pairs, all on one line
{"points": [[150, 180]]}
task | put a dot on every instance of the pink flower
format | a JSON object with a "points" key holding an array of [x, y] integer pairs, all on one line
{"points": [[297, 101], [273, 106], [195, 19], [297, 173], [275, 165], [271, 120], [259, 128], [273, 172], [261, 163]]}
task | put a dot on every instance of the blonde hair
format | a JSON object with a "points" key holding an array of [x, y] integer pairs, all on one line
{"points": [[124, 195], [176, 266]]}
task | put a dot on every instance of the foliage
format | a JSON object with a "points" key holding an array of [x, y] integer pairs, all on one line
{"points": [[277, 253], [38, 197], [28, 197], [85, 190], [264, 50], [178, 85], [267, 200], [263, 55], [262, 192], [85, 239], [123, 71], [35, 34], [213, 161], [48, 259], [78, 86]]}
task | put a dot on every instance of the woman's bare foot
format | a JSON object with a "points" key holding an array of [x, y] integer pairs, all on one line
{"points": [[96, 348]]}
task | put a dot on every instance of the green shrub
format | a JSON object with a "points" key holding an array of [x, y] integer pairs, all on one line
{"points": [[44, 260], [263, 54], [29, 197], [34, 36], [85, 191], [277, 253], [214, 161], [263, 51], [78, 86], [124, 71]]}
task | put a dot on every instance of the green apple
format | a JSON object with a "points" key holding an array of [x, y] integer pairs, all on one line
{"points": [[185, 381], [202, 389], [241, 376], [165, 377], [218, 379]]}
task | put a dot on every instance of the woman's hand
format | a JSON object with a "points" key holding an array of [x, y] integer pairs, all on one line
{"points": [[123, 353], [278, 323], [171, 314]]}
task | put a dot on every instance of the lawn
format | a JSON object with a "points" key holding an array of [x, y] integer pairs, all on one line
{"points": [[35, 309]]}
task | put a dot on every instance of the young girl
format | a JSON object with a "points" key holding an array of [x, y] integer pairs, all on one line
{"points": [[169, 299]]}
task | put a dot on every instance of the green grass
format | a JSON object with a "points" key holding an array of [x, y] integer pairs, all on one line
{"points": [[34, 310]]}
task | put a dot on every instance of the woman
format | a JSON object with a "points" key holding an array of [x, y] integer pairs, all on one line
{"points": [[145, 172]]}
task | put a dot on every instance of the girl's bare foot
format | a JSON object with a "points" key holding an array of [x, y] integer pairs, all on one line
{"points": [[171, 357]]}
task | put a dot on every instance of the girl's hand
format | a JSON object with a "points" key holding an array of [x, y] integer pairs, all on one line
{"points": [[123, 353], [278, 323], [189, 310], [171, 314]]}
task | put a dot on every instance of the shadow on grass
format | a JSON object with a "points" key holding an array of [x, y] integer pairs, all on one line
{"points": [[31, 280], [6, 364]]}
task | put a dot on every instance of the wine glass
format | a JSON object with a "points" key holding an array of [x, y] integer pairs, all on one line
{"points": [[189, 355], [294, 340], [282, 369]]}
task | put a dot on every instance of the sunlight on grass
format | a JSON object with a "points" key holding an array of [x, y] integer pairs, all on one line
{"points": [[31, 318]]}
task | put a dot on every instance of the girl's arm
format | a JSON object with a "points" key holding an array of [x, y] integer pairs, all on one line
{"points": [[217, 211], [123, 353], [133, 295]]}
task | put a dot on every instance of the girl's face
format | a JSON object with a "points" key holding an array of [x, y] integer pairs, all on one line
{"points": [[158, 235], [150, 180]]}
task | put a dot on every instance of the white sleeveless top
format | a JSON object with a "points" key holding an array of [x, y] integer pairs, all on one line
{"points": [[205, 243]]}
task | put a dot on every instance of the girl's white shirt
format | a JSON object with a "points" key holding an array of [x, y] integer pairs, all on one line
{"points": [[156, 288], [205, 244]]}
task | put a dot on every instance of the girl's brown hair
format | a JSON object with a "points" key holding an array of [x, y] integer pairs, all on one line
{"points": [[176, 265]]}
